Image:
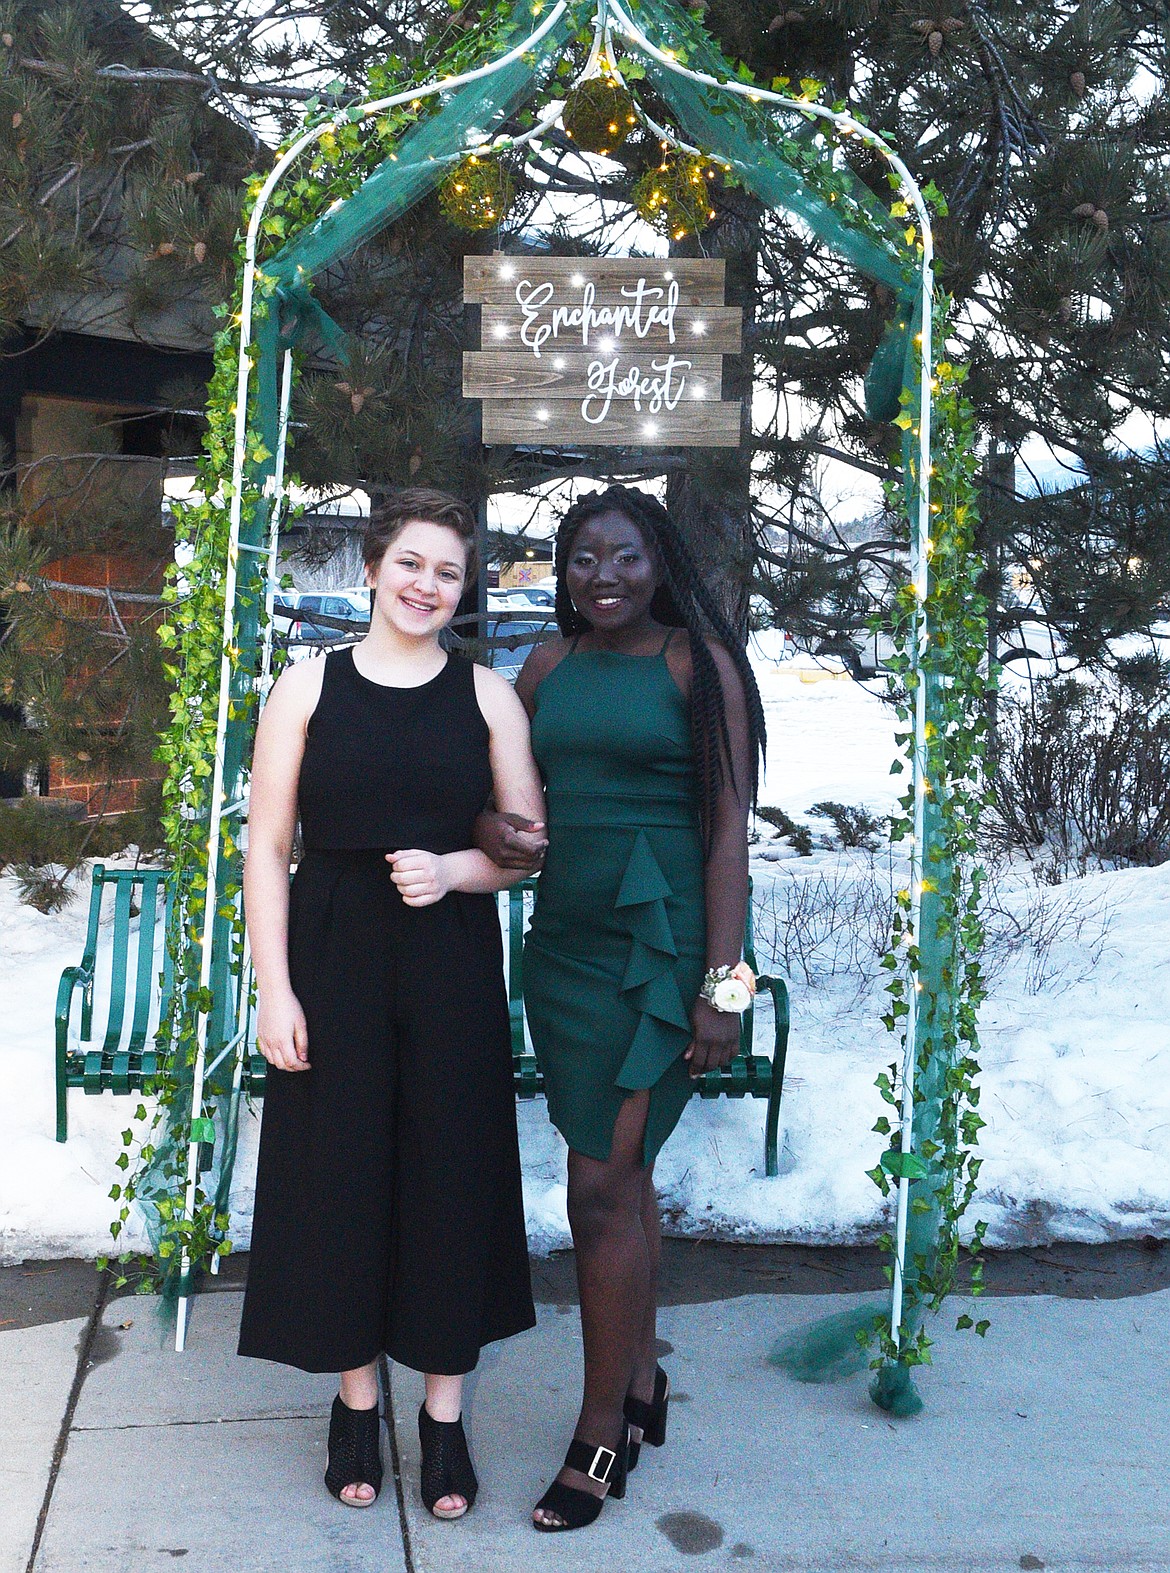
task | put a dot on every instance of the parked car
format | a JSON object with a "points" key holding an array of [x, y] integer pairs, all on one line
{"points": [[508, 662], [864, 653], [348, 606], [521, 597]]}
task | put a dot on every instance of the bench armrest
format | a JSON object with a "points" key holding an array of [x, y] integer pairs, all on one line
{"points": [[72, 979], [779, 992]]}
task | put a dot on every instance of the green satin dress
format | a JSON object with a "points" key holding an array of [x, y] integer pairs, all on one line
{"points": [[616, 953]]}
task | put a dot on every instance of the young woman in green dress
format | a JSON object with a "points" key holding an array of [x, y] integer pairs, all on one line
{"points": [[647, 727]]}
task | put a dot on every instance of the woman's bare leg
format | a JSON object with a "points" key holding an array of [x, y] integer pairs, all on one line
{"points": [[444, 1401], [642, 1383], [359, 1390], [606, 1202]]}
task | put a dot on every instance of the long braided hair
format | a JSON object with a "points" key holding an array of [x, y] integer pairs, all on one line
{"points": [[682, 600]]}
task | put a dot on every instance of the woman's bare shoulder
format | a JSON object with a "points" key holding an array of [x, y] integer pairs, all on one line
{"points": [[297, 689]]}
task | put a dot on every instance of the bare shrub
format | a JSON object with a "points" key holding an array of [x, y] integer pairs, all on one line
{"points": [[1058, 937], [1083, 772], [828, 924]]}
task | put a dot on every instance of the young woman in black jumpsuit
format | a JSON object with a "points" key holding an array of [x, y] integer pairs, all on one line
{"points": [[389, 1214]]}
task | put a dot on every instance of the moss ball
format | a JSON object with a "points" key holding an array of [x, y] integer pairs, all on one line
{"points": [[477, 193], [599, 115], [675, 197]]}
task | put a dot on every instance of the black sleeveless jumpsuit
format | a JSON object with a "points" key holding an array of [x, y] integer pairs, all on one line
{"points": [[389, 1214]]}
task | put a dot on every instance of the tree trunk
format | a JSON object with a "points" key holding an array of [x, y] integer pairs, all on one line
{"points": [[711, 499]]}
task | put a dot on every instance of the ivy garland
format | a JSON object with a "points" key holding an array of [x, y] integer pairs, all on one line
{"points": [[944, 1169]]}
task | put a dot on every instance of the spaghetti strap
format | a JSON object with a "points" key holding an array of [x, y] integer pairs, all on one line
{"points": [[575, 643], [670, 633]]}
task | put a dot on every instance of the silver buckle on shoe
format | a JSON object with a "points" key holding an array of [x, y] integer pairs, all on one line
{"points": [[611, 1456]]}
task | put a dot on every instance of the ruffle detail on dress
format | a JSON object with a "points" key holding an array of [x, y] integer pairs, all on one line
{"points": [[649, 985]]}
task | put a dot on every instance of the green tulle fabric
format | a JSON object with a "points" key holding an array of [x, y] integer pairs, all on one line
{"points": [[830, 1349]]}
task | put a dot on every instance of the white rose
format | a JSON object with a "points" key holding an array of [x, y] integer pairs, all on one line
{"points": [[731, 995]]}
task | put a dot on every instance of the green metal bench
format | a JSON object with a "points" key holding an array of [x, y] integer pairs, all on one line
{"points": [[120, 1062]]}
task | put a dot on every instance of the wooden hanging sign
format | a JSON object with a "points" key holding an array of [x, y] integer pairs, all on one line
{"points": [[607, 351]]}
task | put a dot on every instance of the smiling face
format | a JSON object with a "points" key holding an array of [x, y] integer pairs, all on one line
{"points": [[611, 574], [420, 580]]}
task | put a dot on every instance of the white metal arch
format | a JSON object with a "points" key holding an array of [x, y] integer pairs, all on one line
{"points": [[609, 15]]}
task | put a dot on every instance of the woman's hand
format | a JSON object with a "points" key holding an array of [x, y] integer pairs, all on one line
{"points": [[282, 1035], [422, 877], [511, 841], [716, 1038]]}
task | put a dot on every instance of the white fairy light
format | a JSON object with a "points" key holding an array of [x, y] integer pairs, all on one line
{"points": [[501, 330], [508, 271], [577, 280], [698, 329], [542, 415], [650, 429]]}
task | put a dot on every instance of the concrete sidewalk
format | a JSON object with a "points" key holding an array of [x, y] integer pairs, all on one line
{"points": [[1047, 1445]]}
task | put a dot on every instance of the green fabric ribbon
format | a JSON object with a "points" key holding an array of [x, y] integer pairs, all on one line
{"points": [[300, 316]]}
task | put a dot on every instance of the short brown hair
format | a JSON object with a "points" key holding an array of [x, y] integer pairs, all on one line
{"points": [[393, 513]]}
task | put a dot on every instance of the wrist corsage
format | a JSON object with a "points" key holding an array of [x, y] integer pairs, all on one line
{"points": [[729, 989]]}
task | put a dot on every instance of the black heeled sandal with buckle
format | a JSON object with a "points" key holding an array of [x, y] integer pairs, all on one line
{"points": [[446, 1465], [355, 1455], [650, 1418], [574, 1507]]}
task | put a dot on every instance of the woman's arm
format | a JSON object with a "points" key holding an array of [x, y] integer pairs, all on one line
{"points": [[424, 878], [725, 875], [272, 815], [516, 841]]}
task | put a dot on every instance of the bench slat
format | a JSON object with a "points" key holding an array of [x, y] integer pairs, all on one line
{"points": [[148, 930], [119, 959]]}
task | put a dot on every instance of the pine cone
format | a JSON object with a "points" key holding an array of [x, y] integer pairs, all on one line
{"points": [[1101, 219], [1065, 308], [934, 42], [784, 19], [16, 119], [1084, 210], [1078, 83], [194, 176], [7, 40], [199, 251], [167, 249], [415, 464]]}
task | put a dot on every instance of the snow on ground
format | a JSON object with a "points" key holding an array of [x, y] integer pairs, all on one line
{"points": [[1076, 1041]]}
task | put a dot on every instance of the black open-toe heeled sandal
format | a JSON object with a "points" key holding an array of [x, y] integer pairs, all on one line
{"points": [[446, 1465], [355, 1454], [574, 1507], [650, 1418]]}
